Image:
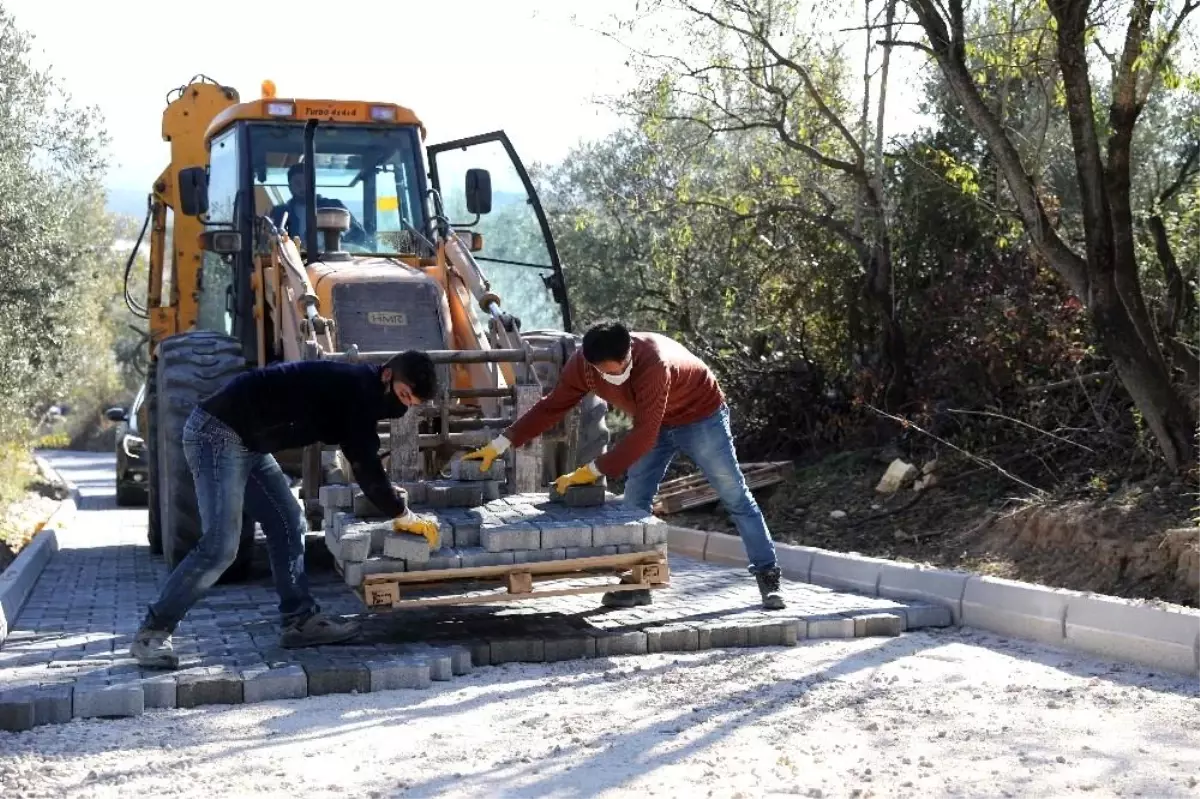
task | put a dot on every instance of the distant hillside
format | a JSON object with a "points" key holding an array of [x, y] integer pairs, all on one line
{"points": [[127, 202]]}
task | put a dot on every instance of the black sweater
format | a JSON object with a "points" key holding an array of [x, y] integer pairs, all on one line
{"points": [[288, 405]]}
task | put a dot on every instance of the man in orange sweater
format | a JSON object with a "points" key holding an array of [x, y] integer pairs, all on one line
{"points": [[677, 406]]}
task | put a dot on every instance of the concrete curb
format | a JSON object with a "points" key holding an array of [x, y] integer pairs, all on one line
{"points": [[18, 580], [1166, 638]]}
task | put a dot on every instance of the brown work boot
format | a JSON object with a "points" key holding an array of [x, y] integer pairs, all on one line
{"points": [[768, 586], [317, 630]]}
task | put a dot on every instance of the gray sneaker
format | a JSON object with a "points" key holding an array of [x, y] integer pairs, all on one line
{"points": [[153, 650], [317, 630]]}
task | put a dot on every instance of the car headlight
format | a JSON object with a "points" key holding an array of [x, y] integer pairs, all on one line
{"points": [[133, 446]]}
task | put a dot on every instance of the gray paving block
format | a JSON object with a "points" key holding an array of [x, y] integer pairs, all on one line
{"points": [[460, 659], [632, 533], [263, 684], [575, 647], [588, 552], [337, 678], [355, 542], [441, 665], [53, 704], [769, 633], [868, 625], [16, 711], [414, 492], [438, 559], [480, 557], [491, 490], [335, 497], [394, 674], [98, 701], [559, 535], [538, 555], [208, 686], [465, 533], [1018, 609], [655, 531], [580, 496], [830, 626], [510, 537], [471, 471], [672, 638], [724, 635], [481, 652], [354, 573], [918, 615], [617, 644], [516, 650], [159, 691], [1134, 631], [411, 548]]}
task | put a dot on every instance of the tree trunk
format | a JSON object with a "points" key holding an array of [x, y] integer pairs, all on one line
{"points": [[1094, 279], [1168, 418]]}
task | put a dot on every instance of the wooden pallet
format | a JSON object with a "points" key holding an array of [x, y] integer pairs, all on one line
{"points": [[515, 583], [693, 491]]}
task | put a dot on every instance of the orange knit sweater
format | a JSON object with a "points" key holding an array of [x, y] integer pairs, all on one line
{"points": [[667, 385]]}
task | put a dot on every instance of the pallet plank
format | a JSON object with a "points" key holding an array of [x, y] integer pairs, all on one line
{"points": [[486, 599], [626, 560]]}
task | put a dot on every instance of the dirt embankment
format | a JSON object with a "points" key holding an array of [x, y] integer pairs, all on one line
{"points": [[37, 495], [1138, 540]]}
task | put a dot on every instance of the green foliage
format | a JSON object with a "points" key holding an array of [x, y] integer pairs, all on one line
{"points": [[56, 256]]}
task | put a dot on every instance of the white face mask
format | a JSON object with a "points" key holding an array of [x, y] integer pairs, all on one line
{"points": [[618, 379]]}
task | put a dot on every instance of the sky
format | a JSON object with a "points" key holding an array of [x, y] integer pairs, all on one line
{"points": [[537, 69]]}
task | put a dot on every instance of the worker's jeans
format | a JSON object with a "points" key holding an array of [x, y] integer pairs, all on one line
{"points": [[226, 476], [708, 442]]}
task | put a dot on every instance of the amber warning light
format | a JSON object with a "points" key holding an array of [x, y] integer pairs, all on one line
{"points": [[268, 89]]}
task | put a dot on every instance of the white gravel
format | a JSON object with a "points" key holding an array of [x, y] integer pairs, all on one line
{"points": [[953, 713]]}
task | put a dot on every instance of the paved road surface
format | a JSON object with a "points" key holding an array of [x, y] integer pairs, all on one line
{"points": [[927, 714]]}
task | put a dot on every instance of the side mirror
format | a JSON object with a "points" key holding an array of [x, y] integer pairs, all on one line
{"points": [[115, 415], [193, 191], [479, 191], [222, 242]]}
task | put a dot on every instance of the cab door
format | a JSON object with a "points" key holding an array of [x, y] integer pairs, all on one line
{"points": [[518, 256]]}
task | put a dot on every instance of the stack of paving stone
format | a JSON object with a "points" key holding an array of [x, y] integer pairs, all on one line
{"points": [[480, 531]]}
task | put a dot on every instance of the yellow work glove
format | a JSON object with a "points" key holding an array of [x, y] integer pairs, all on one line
{"points": [[584, 475], [494, 450], [414, 525]]}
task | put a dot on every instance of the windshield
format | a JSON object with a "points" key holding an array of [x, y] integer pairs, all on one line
{"points": [[372, 172]]}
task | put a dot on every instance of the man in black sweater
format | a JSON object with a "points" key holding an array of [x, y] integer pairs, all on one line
{"points": [[228, 441]]}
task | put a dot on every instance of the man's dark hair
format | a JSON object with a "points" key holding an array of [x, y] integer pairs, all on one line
{"points": [[606, 341], [417, 370], [295, 169]]}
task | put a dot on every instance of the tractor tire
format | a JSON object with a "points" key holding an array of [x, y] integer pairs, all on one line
{"points": [[191, 366], [593, 437], [154, 520]]}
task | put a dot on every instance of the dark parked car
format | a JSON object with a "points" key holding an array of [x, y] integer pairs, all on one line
{"points": [[133, 468]]}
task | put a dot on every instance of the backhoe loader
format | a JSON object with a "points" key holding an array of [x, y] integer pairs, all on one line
{"points": [[289, 228]]}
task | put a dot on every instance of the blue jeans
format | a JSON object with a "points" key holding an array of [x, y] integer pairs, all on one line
{"points": [[709, 443], [226, 476]]}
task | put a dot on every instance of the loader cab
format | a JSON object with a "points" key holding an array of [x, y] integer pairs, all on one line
{"points": [[375, 171]]}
